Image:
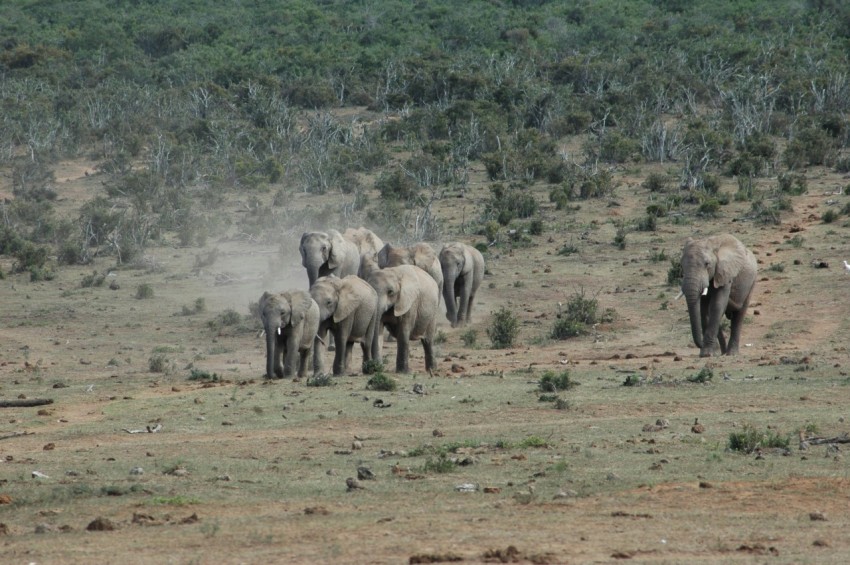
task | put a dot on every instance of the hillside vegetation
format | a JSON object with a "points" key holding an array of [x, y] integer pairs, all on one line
{"points": [[186, 105]]}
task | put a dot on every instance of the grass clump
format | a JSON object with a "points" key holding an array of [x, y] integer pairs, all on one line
{"points": [[158, 363], [202, 375], [469, 338], [144, 291], [504, 329], [320, 380], [750, 439], [442, 464], [382, 382], [551, 382], [578, 316], [705, 375]]}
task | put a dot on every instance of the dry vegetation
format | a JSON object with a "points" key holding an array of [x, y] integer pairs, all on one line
{"points": [[246, 470]]}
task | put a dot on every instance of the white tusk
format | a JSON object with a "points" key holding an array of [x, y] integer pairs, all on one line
{"points": [[680, 295], [278, 331], [705, 291], [320, 339]]}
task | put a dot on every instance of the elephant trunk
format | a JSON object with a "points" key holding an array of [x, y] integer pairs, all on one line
{"points": [[312, 273], [449, 295], [693, 289], [271, 343]]}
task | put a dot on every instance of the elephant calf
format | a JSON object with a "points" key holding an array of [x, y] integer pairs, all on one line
{"points": [[463, 271], [719, 275], [348, 307], [421, 254], [290, 320]]}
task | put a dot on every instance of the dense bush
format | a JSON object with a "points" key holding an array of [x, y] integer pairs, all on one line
{"points": [[504, 329]]}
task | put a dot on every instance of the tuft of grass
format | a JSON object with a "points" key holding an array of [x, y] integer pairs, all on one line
{"points": [[532, 442], [705, 375], [158, 363], [469, 337], [551, 382], [320, 380], [373, 367], [381, 381], [441, 464], [177, 500], [144, 291], [503, 329], [201, 375], [749, 439]]}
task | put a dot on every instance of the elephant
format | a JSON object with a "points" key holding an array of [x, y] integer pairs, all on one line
{"points": [[718, 277], [328, 253], [348, 307], [421, 254], [365, 239], [408, 301], [290, 320], [463, 271]]}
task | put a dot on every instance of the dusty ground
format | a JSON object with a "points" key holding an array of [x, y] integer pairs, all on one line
{"points": [[246, 471]]}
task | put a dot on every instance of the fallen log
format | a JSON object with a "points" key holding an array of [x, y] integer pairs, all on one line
{"points": [[16, 434], [25, 402], [821, 440]]}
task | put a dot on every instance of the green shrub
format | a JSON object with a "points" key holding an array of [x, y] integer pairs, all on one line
{"points": [[504, 329], [381, 381], [565, 328], [506, 204], [202, 375], [792, 183], [656, 210], [320, 380], [535, 227], [709, 208], [568, 249], [675, 273], [812, 146], [829, 216], [469, 337], [373, 367], [648, 223], [620, 237], [144, 291], [750, 439], [703, 376], [656, 182], [440, 465], [577, 317], [158, 364], [550, 382]]}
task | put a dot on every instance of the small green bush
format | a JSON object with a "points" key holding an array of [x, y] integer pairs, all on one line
{"points": [[320, 380], [535, 227], [373, 367], [656, 182], [158, 364], [794, 184], [750, 439], [620, 238], [829, 216], [703, 376], [551, 382], [568, 249], [440, 465], [144, 291], [469, 338], [202, 375], [504, 329], [675, 273], [381, 381]]}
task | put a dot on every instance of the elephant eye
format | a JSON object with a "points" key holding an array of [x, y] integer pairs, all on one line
{"points": [[390, 292]]}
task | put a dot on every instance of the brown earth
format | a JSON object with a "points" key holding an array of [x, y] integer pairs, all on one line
{"points": [[245, 470]]}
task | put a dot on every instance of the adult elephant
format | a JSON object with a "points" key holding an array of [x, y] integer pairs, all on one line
{"points": [[328, 253], [291, 320], [367, 242], [719, 274], [421, 254], [348, 307], [463, 271], [407, 303]]}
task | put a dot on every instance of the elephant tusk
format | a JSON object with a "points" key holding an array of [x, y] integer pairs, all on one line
{"points": [[705, 291], [278, 331], [320, 339], [680, 295]]}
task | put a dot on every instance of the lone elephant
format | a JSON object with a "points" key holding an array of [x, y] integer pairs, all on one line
{"points": [[348, 307], [421, 254], [407, 303], [463, 271], [290, 320], [328, 253], [719, 274]]}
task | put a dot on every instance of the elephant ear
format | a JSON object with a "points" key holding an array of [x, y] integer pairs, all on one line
{"points": [[300, 303], [336, 254], [730, 261], [348, 301], [424, 256], [407, 293], [384, 255]]}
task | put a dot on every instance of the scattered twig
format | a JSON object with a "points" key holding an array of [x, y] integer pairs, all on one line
{"points": [[16, 434], [821, 440], [147, 430], [25, 402]]}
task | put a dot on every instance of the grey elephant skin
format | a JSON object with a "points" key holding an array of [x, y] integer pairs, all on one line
{"points": [[348, 308], [408, 303], [328, 253], [420, 254], [719, 274], [290, 320], [463, 271]]}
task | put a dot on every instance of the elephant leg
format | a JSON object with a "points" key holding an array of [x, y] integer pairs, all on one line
{"points": [[340, 356], [304, 358], [721, 339], [290, 354], [713, 307], [430, 361], [402, 351], [318, 350], [737, 321], [463, 308]]}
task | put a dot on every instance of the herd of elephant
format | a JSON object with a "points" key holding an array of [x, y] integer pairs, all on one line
{"points": [[358, 287]]}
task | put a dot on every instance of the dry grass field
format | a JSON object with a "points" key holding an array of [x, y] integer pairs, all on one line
{"points": [[474, 467]]}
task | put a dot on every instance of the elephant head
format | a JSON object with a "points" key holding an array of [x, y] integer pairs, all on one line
{"points": [[397, 290], [711, 267], [421, 254], [323, 253], [336, 298]]}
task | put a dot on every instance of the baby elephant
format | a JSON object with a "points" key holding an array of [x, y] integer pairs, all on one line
{"points": [[349, 308], [291, 320]]}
